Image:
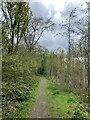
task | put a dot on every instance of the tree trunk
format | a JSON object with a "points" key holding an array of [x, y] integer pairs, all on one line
{"points": [[69, 56], [88, 64]]}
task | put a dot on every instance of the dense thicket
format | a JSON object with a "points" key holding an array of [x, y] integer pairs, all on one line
{"points": [[57, 67], [19, 72]]}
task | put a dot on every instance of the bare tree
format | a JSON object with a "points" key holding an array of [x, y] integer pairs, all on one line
{"points": [[35, 30], [68, 30]]}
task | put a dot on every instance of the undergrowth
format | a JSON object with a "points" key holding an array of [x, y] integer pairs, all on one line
{"points": [[64, 104], [18, 80]]}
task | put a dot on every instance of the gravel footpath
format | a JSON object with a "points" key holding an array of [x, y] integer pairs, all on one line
{"points": [[40, 109]]}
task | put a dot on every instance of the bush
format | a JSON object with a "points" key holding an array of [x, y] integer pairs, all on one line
{"points": [[80, 111], [18, 80]]}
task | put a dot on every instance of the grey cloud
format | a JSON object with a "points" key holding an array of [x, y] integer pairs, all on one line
{"points": [[80, 15], [53, 42], [52, 11], [49, 39], [68, 7], [39, 10]]}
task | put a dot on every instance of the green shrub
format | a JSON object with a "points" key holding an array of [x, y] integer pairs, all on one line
{"points": [[80, 111], [18, 80]]}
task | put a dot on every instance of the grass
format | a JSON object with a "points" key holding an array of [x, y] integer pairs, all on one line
{"points": [[25, 107], [64, 104]]}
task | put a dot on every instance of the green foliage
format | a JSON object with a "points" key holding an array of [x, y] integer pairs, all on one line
{"points": [[74, 77], [20, 68], [5, 39], [56, 66], [25, 107], [18, 79], [80, 111], [16, 16], [64, 104]]}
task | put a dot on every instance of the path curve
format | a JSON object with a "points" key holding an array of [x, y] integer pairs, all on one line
{"points": [[40, 109]]}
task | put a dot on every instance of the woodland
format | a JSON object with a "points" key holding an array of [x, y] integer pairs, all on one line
{"points": [[25, 64]]}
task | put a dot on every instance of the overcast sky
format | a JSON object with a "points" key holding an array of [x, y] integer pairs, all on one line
{"points": [[57, 10]]}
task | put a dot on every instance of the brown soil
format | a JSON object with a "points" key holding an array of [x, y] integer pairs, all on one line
{"points": [[40, 109]]}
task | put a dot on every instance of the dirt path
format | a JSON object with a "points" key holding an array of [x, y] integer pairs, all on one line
{"points": [[40, 109]]}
